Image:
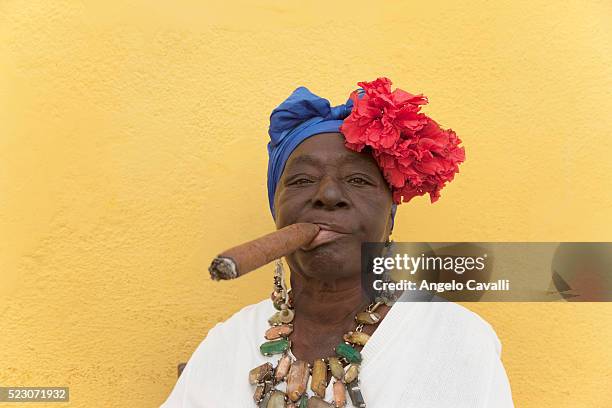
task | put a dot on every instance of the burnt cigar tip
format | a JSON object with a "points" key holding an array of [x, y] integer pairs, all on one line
{"points": [[223, 268]]}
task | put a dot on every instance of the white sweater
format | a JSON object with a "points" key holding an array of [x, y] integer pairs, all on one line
{"points": [[422, 355]]}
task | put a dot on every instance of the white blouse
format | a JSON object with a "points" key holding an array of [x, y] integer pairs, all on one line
{"points": [[422, 355]]}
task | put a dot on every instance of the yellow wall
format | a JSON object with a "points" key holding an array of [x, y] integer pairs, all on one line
{"points": [[132, 150]]}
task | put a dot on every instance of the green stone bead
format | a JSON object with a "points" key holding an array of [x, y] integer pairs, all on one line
{"points": [[303, 401], [274, 347], [348, 352]]}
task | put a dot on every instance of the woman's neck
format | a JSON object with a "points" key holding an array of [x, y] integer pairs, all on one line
{"points": [[324, 311], [327, 302]]}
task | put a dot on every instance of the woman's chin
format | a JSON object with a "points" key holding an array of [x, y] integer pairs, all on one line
{"points": [[328, 261]]}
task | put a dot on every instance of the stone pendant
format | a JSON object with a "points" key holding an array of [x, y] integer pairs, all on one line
{"points": [[351, 373], [277, 299], [339, 394], [316, 402], [284, 316], [260, 373], [354, 393], [274, 347], [274, 320], [335, 366], [348, 352], [297, 379], [282, 368], [274, 399], [276, 332], [359, 338], [261, 390], [367, 318], [318, 383]]}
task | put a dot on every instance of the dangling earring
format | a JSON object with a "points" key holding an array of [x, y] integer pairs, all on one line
{"points": [[387, 296], [388, 242], [279, 292], [281, 296]]}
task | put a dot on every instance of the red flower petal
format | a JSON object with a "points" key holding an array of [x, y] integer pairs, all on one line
{"points": [[415, 155]]}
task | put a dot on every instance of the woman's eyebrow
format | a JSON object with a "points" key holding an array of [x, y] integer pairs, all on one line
{"points": [[306, 159], [354, 159], [343, 159]]}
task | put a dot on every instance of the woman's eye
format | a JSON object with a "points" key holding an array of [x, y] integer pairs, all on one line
{"points": [[301, 181], [358, 180]]}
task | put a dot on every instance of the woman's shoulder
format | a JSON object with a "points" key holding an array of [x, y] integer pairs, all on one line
{"points": [[222, 359], [232, 340], [451, 322], [248, 318], [469, 320]]}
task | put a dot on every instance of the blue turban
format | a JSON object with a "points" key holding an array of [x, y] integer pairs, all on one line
{"points": [[301, 115]]}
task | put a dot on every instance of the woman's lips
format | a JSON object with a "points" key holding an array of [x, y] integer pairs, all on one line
{"points": [[323, 237]]}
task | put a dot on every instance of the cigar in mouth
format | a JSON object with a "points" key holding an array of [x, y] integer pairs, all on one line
{"points": [[242, 259]]}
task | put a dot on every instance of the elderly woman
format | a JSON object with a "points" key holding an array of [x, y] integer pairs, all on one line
{"points": [[345, 168]]}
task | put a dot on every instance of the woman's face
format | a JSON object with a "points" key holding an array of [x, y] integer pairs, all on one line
{"points": [[325, 183]]}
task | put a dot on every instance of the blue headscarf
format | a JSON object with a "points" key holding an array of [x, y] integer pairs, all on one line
{"points": [[301, 115]]}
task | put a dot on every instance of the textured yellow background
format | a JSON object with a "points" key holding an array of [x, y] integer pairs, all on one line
{"points": [[132, 149]]}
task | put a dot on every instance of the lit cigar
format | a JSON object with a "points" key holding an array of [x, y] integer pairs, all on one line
{"points": [[249, 256]]}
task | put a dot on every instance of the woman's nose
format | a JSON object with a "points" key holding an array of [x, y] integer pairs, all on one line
{"points": [[330, 195]]}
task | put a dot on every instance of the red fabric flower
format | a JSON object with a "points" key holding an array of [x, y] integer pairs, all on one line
{"points": [[415, 155]]}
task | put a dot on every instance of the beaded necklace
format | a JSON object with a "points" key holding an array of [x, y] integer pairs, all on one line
{"points": [[344, 366]]}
